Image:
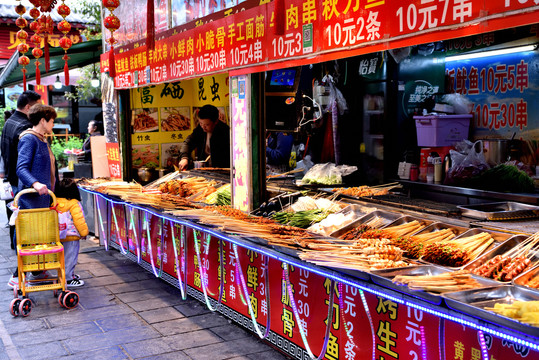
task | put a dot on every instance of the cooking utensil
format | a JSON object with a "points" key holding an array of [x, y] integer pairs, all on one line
{"points": [[496, 151]]}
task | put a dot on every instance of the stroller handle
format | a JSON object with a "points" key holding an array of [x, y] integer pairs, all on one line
{"points": [[30, 190]]}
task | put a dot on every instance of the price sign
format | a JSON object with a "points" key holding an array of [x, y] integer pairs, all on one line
{"points": [[113, 159]]}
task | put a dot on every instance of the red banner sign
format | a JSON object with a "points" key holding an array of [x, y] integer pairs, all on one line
{"points": [[113, 158], [312, 28]]}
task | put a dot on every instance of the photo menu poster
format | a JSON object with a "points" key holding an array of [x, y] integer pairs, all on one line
{"points": [[162, 116]]}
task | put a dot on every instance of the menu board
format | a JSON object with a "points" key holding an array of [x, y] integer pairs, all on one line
{"points": [[162, 116]]}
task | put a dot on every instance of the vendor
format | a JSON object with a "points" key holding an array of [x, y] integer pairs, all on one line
{"points": [[278, 149], [210, 139], [95, 128]]}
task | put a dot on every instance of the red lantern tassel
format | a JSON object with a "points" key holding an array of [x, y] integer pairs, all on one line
{"points": [[279, 19], [24, 79], [66, 73], [38, 74], [112, 65], [150, 26], [47, 57]]}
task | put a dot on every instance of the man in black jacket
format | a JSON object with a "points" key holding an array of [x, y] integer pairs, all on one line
{"points": [[211, 138], [13, 127]]}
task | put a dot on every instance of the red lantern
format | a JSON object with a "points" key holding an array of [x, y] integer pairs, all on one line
{"points": [[111, 4], [63, 10], [21, 22], [20, 9], [24, 60], [65, 43], [36, 40], [37, 53], [34, 13], [23, 48], [22, 35], [64, 26], [34, 26], [112, 23]]}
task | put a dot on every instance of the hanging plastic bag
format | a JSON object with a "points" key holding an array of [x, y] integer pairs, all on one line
{"points": [[62, 224], [327, 174], [335, 95], [466, 165], [6, 191], [14, 214]]}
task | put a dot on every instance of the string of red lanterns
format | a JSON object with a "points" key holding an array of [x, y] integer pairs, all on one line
{"points": [[112, 23]]}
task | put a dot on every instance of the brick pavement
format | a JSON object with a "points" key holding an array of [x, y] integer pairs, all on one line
{"points": [[124, 313]]}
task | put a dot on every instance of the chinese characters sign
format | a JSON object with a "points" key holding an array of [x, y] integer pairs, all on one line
{"points": [[312, 28], [503, 97]]}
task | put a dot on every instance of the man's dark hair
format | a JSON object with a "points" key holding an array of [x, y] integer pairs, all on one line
{"points": [[67, 189], [209, 112], [27, 97], [39, 111]]}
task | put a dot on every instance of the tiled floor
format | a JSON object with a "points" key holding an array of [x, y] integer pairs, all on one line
{"points": [[124, 313]]}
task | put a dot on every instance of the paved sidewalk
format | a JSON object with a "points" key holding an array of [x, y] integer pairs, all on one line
{"points": [[124, 313]]}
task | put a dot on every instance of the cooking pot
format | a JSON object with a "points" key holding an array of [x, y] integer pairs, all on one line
{"points": [[144, 174], [496, 151]]}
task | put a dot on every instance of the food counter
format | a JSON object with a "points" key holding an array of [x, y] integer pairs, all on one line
{"points": [[287, 301]]}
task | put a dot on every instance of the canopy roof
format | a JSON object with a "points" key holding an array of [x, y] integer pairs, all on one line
{"points": [[80, 55]]}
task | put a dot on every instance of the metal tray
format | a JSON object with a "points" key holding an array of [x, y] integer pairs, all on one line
{"points": [[437, 226], [473, 302], [523, 278], [507, 245], [387, 218], [385, 278], [500, 211], [498, 237], [406, 219], [358, 210]]}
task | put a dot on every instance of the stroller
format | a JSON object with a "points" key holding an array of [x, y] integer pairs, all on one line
{"points": [[39, 249]]}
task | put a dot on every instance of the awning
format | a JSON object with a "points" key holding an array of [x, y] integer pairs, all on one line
{"points": [[80, 55]]}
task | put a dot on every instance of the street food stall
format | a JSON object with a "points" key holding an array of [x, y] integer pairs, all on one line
{"points": [[366, 256]]}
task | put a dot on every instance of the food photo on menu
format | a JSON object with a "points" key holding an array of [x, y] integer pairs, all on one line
{"points": [[175, 118], [145, 120], [146, 155]]}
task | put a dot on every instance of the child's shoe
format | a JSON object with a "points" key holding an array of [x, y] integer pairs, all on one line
{"points": [[75, 283]]}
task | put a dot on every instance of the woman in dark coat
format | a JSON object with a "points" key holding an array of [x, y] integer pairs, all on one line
{"points": [[36, 164], [36, 169]]}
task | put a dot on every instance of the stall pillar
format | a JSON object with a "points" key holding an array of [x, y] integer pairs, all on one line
{"points": [[242, 175]]}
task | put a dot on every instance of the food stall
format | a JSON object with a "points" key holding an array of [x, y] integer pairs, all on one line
{"points": [[308, 294]]}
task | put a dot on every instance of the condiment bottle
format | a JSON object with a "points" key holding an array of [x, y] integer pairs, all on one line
{"points": [[437, 162], [414, 172], [430, 169]]}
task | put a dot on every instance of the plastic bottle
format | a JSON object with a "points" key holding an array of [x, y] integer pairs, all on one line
{"points": [[414, 172], [437, 162], [430, 170]]}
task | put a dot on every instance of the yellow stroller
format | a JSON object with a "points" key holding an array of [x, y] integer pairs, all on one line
{"points": [[39, 249]]}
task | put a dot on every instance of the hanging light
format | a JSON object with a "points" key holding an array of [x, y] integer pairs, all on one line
{"points": [[95, 80], [57, 83]]}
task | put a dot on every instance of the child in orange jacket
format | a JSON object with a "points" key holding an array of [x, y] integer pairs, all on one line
{"points": [[68, 198]]}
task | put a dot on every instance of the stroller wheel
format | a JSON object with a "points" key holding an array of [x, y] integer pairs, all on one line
{"points": [[25, 307], [14, 307], [71, 299], [61, 296]]}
